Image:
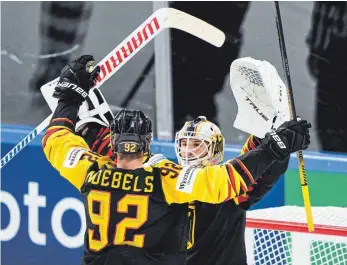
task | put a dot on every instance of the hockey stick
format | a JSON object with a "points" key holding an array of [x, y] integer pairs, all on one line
{"points": [[302, 170], [161, 19]]}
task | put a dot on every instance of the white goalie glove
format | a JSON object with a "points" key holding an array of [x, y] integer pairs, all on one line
{"points": [[260, 94], [94, 109]]}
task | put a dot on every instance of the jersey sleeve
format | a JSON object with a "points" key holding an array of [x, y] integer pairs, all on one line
{"points": [[68, 153], [265, 182], [251, 143]]}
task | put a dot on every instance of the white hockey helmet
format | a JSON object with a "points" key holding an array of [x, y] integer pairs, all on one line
{"points": [[199, 142]]}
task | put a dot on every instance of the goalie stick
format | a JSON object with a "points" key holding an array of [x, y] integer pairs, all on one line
{"points": [[302, 170], [161, 19]]}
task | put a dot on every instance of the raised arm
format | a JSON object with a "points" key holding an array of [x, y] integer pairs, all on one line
{"points": [[265, 182], [215, 184], [68, 153]]}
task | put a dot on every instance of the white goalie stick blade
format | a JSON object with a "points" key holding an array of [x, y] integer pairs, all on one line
{"points": [[194, 26], [161, 19], [260, 95]]}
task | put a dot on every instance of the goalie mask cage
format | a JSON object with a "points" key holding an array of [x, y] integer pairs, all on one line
{"points": [[280, 236]]}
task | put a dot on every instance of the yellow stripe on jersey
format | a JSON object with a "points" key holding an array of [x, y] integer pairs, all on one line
{"points": [[70, 155]]}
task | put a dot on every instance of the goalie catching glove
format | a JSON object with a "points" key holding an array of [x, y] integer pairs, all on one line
{"points": [[260, 94], [76, 79], [290, 137]]}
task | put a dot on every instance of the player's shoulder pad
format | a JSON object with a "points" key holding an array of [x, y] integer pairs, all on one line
{"points": [[155, 160]]}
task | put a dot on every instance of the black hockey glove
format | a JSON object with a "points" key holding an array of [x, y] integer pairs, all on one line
{"points": [[290, 137], [76, 80]]}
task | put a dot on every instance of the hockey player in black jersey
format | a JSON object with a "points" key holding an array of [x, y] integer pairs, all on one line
{"points": [[136, 213], [217, 232]]}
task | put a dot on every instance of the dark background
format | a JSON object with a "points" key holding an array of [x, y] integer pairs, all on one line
{"points": [[111, 22]]}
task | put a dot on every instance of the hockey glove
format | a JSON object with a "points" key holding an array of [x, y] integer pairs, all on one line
{"points": [[290, 137], [76, 79]]}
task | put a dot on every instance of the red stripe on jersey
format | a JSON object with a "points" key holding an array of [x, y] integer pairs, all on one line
{"points": [[245, 149], [229, 193], [110, 154], [244, 187], [256, 140], [245, 169], [99, 133], [232, 180], [104, 143], [251, 144], [63, 119], [94, 144], [98, 139], [47, 135], [243, 198], [106, 131]]}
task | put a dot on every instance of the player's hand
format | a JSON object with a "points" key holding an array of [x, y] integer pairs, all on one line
{"points": [[290, 137], [76, 79]]}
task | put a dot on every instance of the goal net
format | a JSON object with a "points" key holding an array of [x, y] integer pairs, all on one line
{"points": [[280, 236]]}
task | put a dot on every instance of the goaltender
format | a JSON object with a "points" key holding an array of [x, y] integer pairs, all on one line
{"points": [[137, 213]]}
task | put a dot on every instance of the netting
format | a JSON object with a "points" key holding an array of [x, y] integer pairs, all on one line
{"points": [[280, 236]]}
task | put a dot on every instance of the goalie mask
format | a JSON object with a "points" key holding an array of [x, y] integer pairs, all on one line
{"points": [[131, 132], [199, 142]]}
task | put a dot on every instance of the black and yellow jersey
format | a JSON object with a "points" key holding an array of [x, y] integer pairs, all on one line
{"points": [[217, 231], [71, 156], [140, 216], [222, 224]]}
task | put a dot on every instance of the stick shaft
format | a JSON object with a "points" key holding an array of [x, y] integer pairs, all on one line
{"points": [[302, 170], [284, 57]]}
